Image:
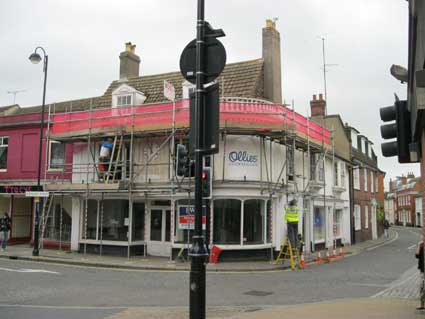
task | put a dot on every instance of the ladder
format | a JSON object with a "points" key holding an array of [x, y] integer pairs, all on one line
{"points": [[114, 165], [286, 251], [44, 218]]}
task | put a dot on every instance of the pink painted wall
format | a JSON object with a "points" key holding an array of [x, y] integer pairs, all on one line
{"points": [[22, 157]]}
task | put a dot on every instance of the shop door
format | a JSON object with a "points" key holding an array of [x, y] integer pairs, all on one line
{"points": [[159, 243]]}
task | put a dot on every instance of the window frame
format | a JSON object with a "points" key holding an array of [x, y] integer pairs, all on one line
{"points": [[49, 167], [2, 145], [365, 186], [126, 97], [366, 217], [356, 178], [357, 218]]}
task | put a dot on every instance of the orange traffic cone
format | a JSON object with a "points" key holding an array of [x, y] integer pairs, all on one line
{"points": [[334, 253], [319, 257], [302, 261], [328, 257], [341, 253]]}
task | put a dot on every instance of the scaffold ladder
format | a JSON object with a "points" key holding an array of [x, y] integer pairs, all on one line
{"points": [[47, 207], [286, 250], [114, 164]]}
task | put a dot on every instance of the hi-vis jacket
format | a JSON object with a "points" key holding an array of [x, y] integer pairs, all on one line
{"points": [[291, 215]]}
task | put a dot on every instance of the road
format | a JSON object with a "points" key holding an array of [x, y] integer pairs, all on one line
{"points": [[37, 290]]}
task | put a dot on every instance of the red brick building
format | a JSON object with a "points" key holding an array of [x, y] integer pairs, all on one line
{"points": [[405, 194]]}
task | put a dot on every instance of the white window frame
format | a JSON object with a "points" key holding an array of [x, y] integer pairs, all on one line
{"points": [[356, 175], [3, 145], [336, 173], [50, 156], [366, 217], [342, 164], [124, 100], [357, 218]]}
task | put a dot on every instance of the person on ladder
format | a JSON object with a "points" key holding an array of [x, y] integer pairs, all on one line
{"points": [[291, 219], [104, 156]]}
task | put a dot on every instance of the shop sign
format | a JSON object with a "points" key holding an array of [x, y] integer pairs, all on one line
{"points": [[187, 217], [242, 158], [16, 189]]}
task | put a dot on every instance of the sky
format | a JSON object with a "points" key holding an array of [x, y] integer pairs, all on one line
{"points": [[83, 39]]}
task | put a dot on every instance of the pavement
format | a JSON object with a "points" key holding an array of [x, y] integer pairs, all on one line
{"points": [[24, 252]]}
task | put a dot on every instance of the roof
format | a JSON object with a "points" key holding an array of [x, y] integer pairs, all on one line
{"points": [[241, 79]]}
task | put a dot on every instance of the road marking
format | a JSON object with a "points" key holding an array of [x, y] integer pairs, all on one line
{"points": [[384, 243], [31, 271], [398, 283], [411, 247]]}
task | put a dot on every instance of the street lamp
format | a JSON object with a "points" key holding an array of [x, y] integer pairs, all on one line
{"points": [[36, 58]]}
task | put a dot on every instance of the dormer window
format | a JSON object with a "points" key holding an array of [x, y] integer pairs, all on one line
{"points": [[124, 100]]}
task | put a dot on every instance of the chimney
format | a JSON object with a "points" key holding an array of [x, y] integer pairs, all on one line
{"points": [[271, 57], [410, 175], [129, 62], [403, 180], [317, 106]]}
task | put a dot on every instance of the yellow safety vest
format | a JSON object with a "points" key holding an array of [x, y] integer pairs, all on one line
{"points": [[291, 215]]}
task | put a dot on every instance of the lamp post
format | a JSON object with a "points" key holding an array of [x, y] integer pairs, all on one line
{"points": [[36, 58]]}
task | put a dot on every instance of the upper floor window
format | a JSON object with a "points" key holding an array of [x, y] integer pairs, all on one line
{"points": [[354, 139], [356, 174], [365, 180], [124, 100], [291, 164], [57, 155], [4, 143], [342, 174], [376, 183], [336, 173]]}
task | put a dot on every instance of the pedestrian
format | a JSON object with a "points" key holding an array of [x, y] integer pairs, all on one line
{"points": [[5, 223], [420, 255], [386, 227], [291, 218]]}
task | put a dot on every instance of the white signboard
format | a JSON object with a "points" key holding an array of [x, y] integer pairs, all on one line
{"points": [[242, 158], [169, 91], [36, 194]]}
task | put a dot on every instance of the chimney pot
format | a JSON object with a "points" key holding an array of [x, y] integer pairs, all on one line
{"points": [[321, 97], [314, 97]]}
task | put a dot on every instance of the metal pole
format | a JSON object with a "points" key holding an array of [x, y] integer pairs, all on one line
{"points": [[38, 203], [198, 250]]}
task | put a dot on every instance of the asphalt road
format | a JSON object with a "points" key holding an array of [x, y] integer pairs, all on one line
{"points": [[37, 290]]}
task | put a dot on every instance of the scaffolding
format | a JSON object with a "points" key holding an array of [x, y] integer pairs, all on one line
{"points": [[160, 126]]}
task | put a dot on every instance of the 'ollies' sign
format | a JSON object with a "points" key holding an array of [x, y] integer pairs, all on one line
{"points": [[17, 189]]}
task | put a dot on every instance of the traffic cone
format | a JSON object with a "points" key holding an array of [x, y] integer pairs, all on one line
{"points": [[334, 253], [341, 253], [302, 261], [319, 257], [328, 257]]}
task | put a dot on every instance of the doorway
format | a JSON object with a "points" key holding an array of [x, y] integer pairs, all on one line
{"points": [[159, 241]]}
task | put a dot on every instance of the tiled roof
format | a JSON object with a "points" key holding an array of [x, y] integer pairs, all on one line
{"points": [[241, 79]]}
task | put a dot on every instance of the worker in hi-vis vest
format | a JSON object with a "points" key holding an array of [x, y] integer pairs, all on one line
{"points": [[291, 218]]}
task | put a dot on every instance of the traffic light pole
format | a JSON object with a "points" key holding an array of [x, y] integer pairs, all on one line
{"points": [[198, 251]]}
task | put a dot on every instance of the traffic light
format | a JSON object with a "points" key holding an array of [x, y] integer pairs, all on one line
{"points": [[206, 183], [181, 161], [400, 129]]}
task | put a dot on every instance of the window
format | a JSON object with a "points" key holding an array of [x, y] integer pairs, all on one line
{"points": [[366, 217], [321, 170], [335, 173], [227, 221], [313, 167], [290, 159], [376, 183], [138, 227], [356, 174], [57, 155], [365, 180], [338, 222], [4, 142], [319, 224], [342, 174], [357, 218], [253, 221], [354, 139], [372, 182], [124, 100], [113, 220]]}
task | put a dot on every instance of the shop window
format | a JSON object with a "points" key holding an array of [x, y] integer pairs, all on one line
{"points": [[138, 227], [356, 173], [253, 222], [357, 218], [89, 220], [319, 224], [57, 155], [227, 221], [58, 225], [4, 144], [114, 220]]}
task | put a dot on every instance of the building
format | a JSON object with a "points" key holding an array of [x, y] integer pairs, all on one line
{"points": [[406, 192], [389, 207], [367, 188]]}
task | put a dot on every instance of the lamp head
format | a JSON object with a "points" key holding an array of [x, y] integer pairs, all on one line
{"points": [[35, 58]]}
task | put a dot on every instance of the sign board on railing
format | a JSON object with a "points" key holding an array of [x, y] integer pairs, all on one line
{"points": [[36, 194]]}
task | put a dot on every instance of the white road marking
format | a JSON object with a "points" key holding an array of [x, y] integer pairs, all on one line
{"points": [[411, 247], [31, 271], [384, 243]]}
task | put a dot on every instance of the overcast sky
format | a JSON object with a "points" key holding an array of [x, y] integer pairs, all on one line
{"points": [[84, 38]]}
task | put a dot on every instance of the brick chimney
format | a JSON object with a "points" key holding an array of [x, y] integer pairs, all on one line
{"points": [[129, 62], [403, 180], [272, 68], [317, 106]]}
